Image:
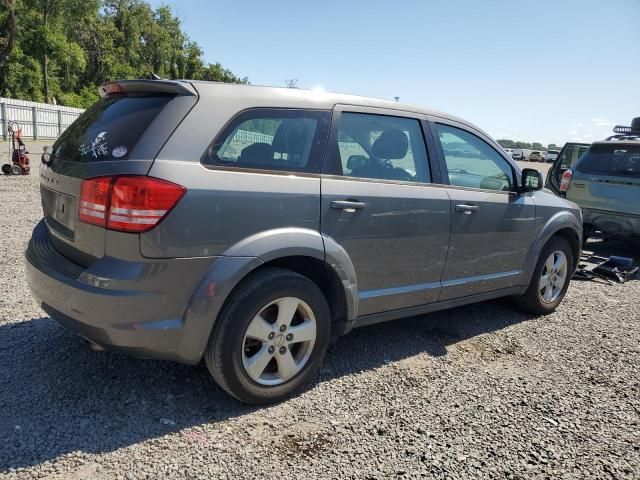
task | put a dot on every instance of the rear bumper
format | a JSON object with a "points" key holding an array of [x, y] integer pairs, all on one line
{"points": [[136, 307], [613, 223]]}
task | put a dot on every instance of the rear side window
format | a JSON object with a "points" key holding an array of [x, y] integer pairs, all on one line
{"points": [[382, 147], [611, 159], [272, 139], [109, 129]]}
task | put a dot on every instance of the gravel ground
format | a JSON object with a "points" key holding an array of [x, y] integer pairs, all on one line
{"points": [[482, 391]]}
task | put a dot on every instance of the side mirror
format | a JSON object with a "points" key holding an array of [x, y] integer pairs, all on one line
{"points": [[531, 180]]}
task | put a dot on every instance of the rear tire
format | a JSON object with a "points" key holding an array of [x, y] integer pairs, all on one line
{"points": [[253, 353], [545, 292]]}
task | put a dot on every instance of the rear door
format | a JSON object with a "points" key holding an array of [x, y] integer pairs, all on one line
{"points": [[380, 205], [111, 137], [491, 225], [566, 159]]}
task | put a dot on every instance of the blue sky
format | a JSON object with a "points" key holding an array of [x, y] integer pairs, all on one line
{"points": [[538, 70]]}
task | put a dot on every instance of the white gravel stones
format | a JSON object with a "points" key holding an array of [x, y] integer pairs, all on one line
{"points": [[483, 391]]}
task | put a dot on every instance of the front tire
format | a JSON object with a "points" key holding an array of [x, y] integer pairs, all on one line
{"points": [[550, 278], [270, 337]]}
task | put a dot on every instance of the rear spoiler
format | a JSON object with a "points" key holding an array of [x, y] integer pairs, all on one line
{"points": [[147, 86]]}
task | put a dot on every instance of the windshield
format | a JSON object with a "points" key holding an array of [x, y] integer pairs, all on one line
{"points": [[611, 159], [109, 129]]}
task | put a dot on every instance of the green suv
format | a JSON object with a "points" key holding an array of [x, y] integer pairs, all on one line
{"points": [[605, 183]]}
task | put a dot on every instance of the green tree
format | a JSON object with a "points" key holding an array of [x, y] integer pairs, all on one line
{"points": [[9, 27], [65, 49]]}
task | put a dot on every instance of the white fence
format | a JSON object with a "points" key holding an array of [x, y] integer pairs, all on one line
{"points": [[37, 120]]}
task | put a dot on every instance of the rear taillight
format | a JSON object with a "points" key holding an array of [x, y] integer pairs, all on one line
{"points": [[566, 180], [127, 203], [94, 200]]}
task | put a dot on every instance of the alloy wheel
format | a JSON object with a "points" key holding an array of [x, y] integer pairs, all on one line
{"points": [[279, 341], [553, 277]]}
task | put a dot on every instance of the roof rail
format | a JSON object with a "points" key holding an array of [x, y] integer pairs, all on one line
{"points": [[629, 136]]}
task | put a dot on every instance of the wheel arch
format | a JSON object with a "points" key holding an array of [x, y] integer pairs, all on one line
{"points": [[575, 242], [563, 224], [300, 250]]}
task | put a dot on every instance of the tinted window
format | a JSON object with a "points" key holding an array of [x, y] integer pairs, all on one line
{"points": [[615, 160], [109, 129], [273, 139], [472, 162], [382, 147]]}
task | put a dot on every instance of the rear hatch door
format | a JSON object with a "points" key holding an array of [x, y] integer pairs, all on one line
{"points": [[607, 178], [120, 134]]}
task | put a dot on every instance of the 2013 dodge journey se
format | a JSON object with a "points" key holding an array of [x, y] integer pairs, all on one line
{"points": [[250, 225]]}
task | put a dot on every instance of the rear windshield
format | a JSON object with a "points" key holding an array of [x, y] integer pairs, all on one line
{"points": [[614, 160], [109, 129]]}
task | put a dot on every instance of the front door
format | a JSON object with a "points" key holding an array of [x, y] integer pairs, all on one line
{"points": [[491, 226], [379, 205]]}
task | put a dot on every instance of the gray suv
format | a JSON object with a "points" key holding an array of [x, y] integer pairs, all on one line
{"points": [[249, 225]]}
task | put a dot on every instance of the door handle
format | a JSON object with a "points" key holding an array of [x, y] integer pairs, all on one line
{"points": [[466, 209], [348, 205]]}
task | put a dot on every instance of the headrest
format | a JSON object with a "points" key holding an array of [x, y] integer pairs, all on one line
{"points": [[290, 137], [257, 153], [393, 143]]}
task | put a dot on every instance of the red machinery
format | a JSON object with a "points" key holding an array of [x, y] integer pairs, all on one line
{"points": [[19, 156]]}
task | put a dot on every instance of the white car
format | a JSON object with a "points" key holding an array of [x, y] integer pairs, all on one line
{"points": [[551, 156], [519, 154]]}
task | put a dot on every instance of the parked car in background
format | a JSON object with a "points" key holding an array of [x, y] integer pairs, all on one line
{"points": [[535, 156], [518, 154], [567, 158], [605, 183], [551, 155], [509, 151], [186, 220]]}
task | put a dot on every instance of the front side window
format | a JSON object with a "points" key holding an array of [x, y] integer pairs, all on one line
{"points": [[472, 162], [272, 139], [382, 147]]}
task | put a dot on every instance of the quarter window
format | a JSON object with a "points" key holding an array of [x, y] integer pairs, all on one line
{"points": [[272, 139], [472, 162], [382, 147]]}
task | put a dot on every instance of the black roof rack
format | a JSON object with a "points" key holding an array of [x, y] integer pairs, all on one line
{"points": [[621, 129], [627, 133]]}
